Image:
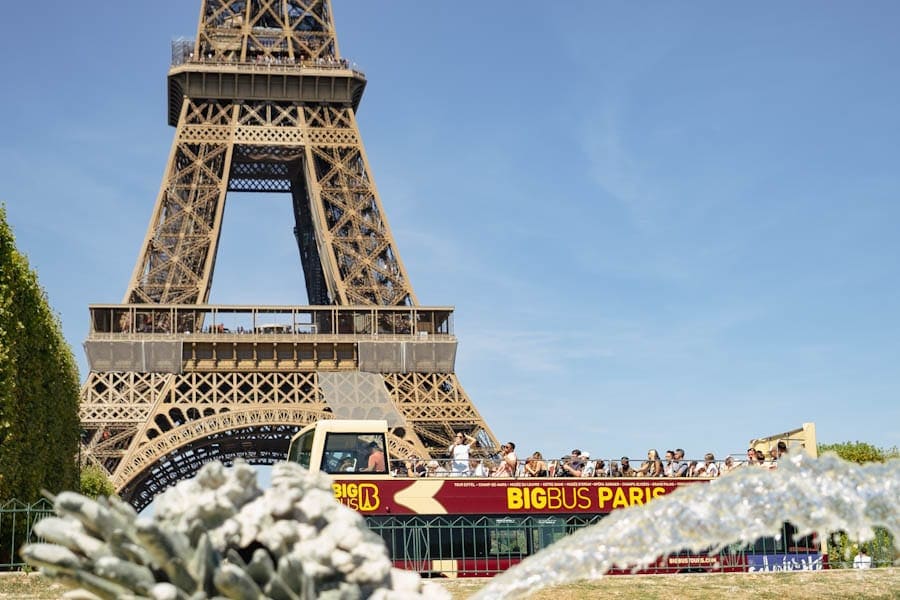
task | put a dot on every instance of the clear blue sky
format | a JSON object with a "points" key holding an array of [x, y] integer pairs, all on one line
{"points": [[662, 224]]}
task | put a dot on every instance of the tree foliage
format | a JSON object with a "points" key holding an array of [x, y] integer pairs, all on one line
{"points": [[39, 427], [95, 483], [841, 549], [860, 452]]}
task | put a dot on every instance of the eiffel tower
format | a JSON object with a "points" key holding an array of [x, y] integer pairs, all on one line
{"points": [[262, 101]]}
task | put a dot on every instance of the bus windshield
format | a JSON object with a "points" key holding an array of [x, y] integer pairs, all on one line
{"points": [[301, 449]]}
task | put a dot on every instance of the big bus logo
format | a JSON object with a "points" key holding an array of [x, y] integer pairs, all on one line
{"points": [[358, 496], [559, 497]]}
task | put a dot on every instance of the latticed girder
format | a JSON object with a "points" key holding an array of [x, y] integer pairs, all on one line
{"points": [[135, 421], [263, 145], [266, 31], [438, 407], [262, 101], [259, 437]]}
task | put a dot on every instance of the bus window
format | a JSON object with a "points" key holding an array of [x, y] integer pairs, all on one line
{"points": [[546, 531], [784, 552], [301, 449], [507, 538], [349, 452]]}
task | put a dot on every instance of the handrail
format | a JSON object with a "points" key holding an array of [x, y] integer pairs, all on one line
{"points": [[273, 65], [552, 467], [380, 322], [17, 521]]}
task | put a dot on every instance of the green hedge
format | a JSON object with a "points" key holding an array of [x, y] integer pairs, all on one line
{"points": [[39, 389], [841, 548]]}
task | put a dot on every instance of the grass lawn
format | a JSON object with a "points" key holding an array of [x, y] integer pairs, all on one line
{"points": [[839, 583]]}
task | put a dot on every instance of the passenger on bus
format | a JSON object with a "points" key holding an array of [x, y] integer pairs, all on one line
{"points": [[510, 458], [459, 450], [435, 469], [400, 469], [572, 465], [376, 459], [781, 449], [535, 466], [415, 467], [729, 465], [478, 469], [751, 457], [588, 470], [508, 461], [680, 466], [709, 468], [652, 467], [670, 464], [625, 469]]}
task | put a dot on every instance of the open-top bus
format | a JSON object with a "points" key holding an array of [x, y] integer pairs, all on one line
{"points": [[474, 527]]}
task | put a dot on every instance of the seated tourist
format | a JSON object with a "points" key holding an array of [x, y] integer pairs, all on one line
{"points": [[418, 468], [669, 465], [614, 470], [508, 462], [435, 469], [751, 457], [588, 469], [709, 468], [572, 466], [400, 469], [652, 467], [680, 466], [535, 466], [478, 468], [729, 465], [625, 469]]}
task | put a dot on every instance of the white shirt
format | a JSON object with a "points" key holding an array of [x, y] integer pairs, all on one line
{"points": [[712, 470], [460, 464], [862, 561]]}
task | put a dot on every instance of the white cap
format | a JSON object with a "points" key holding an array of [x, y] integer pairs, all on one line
{"points": [[585, 455]]}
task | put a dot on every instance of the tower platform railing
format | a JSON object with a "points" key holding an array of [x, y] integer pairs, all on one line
{"points": [[116, 321], [183, 54]]}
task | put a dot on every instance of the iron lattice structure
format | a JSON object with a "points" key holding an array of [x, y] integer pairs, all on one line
{"points": [[262, 101]]}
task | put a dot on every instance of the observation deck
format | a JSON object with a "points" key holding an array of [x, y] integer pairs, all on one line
{"points": [[179, 338], [280, 79]]}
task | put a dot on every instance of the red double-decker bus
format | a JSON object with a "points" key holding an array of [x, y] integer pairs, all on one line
{"points": [[476, 527]]}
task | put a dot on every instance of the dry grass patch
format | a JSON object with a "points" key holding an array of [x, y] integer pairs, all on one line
{"points": [[23, 585], [840, 583], [811, 585]]}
